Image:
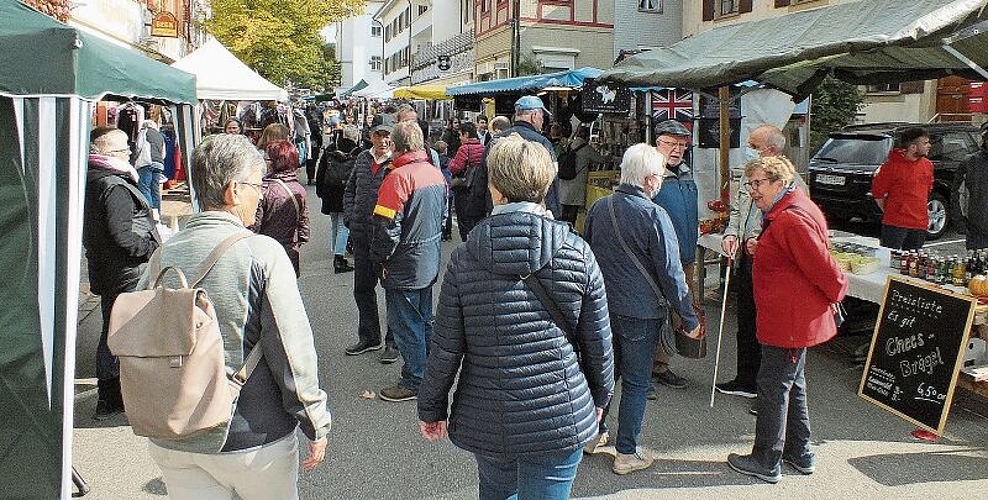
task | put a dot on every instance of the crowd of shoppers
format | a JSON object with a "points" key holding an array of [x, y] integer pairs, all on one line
{"points": [[520, 353]]}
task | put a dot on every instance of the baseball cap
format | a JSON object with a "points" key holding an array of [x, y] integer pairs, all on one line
{"points": [[530, 102], [671, 127], [383, 122]]}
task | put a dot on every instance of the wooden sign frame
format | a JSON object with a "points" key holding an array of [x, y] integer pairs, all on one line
{"points": [[958, 363]]}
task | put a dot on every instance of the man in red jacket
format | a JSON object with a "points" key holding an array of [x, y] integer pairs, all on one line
{"points": [[901, 188]]}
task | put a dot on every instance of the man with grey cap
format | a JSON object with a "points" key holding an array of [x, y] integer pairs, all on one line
{"points": [[359, 200], [678, 195], [530, 113]]}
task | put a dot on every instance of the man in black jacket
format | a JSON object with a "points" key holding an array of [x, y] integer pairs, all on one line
{"points": [[530, 115], [120, 235], [969, 195]]}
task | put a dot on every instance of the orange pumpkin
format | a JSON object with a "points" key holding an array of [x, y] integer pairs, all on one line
{"points": [[978, 286]]}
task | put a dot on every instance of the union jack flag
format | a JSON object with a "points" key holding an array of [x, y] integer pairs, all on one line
{"points": [[673, 104]]}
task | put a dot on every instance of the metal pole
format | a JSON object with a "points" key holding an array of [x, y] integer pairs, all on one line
{"points": [[720, 330], [515, 37], [724, 96]]}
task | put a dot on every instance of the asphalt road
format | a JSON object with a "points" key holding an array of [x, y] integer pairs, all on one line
{"points": [[375, 451]]}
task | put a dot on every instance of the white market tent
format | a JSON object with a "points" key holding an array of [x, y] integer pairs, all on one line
{"points": [[221, 76], [376, 90]]}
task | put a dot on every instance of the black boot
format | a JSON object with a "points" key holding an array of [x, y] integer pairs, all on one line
{"points": [[340, 265], [109, 401]]}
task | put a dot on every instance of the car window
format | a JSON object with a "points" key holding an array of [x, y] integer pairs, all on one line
{"points": [[858, 150], [956, 146]]}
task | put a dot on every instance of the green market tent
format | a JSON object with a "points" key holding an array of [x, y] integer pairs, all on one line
{"points": [[51, 76], [861, 42]]}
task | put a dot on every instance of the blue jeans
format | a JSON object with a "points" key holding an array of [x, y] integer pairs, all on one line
{"points": [[634, 348], [147, 183], [783, 424], [410, 318], [338, 234], [528, 477]]}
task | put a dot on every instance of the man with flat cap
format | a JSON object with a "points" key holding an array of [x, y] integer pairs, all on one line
{"points": [[678, 195], [359, 201]]}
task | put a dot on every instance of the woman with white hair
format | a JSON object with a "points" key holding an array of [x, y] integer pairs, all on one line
{"points": [[258, 306], [636, 246], [519, 300]]}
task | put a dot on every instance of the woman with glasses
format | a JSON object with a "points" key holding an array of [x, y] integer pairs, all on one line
{"points": [[796, 284], [282, 213], [525, 404], [258, 306]]}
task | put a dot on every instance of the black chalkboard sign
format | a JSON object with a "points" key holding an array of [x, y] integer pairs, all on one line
{"points": [[917, 351]]}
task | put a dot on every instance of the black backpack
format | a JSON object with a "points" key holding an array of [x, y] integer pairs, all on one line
{"points": [[339, 165], [567, 163]]}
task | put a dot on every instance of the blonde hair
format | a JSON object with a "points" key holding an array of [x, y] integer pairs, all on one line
{"points": [[776, 168], [521, 170], [273, 132]]}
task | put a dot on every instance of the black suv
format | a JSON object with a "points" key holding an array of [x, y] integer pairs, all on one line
{"points": [[841, 171]]}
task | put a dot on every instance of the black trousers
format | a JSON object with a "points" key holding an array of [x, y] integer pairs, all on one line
{"points": [[749, 351], [365, 276]]}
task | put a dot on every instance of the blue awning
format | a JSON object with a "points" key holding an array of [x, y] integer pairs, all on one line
{"points": [[571, 79]]}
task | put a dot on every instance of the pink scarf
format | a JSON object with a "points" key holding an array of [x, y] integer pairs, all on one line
{"points": [[113, 164]]}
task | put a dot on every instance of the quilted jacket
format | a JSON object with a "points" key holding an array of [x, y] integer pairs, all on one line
{"points": [[521, 389], [360, 197]]}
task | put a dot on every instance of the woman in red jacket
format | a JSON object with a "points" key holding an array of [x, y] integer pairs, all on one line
{"points": [[796, 284]]}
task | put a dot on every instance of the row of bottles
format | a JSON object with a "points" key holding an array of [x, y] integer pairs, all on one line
{"points": [[943, 270]]}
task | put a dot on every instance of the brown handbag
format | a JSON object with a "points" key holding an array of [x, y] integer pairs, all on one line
{"points": [[173, 376]]}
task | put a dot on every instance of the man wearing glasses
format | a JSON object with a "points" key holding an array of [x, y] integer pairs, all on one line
{"points": [[679, 197], [120, 235], [741, 234]]}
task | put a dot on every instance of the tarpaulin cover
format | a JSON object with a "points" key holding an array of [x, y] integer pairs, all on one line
{"points": [[220, 75], [433, 92], [861, 42], [571, 79], [42, 56]]}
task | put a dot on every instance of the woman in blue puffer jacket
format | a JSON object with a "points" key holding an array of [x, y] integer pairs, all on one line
{"points": [[524, 404]]}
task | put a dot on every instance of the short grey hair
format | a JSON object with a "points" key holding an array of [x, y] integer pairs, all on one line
{"points": [[351, 132], [407, 136], [526, 113], [499, 124], [774, 137], [404, 109], [639, 162], [219, 160]]}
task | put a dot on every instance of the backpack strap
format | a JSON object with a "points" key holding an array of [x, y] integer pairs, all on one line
{"points": [[298, 210], [210, 261]]}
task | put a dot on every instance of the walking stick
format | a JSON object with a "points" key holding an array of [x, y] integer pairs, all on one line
{"points": [[720, 331]]}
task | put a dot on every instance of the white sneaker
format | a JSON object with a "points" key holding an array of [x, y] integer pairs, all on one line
{"points": [[639, 460], [599, 442]]}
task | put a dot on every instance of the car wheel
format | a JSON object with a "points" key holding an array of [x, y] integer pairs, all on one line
{"points": [[939, 217]]}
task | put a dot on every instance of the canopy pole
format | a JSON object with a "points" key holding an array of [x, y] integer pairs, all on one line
{"points": [[962, 58], [724, 95]]}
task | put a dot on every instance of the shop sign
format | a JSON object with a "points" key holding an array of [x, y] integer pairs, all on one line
{"points": [[165, 25], [917, 351], [605, 97], [443, 63]]}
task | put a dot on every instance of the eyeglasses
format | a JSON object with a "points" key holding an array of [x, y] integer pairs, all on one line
{"points": [[256, 186], [115, 151], [675, 144], [756, 183]]}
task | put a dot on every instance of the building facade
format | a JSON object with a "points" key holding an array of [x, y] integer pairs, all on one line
{"points": [[395, 17], [641, 25], [442, 33], [359, 45], [552, 35], [128, 23]]}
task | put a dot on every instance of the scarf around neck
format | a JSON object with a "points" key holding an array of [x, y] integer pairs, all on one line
{"points": [[113, 164]]}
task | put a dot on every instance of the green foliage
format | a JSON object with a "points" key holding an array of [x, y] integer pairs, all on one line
{"points": [[280, 38], [528, 65], [833, 106]]}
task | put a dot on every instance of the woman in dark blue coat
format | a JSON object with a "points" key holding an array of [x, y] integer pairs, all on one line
{"points": [[524, 404]]}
